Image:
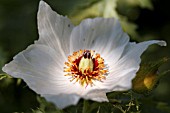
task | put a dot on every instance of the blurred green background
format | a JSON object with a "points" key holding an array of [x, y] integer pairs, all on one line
{"points": [[142, 19]]}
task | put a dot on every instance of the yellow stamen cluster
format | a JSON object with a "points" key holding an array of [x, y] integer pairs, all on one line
{"points": [[84, 67]]}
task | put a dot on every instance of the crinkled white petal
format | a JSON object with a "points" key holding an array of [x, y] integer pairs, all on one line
{"points": [[99, 34], [97, 95], [62, 100], [41, 68], [123, 83], [122, 72], [54, 29]]}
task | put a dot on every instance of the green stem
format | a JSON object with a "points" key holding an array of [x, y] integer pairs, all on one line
{"points": [[85, 106], [163, 73]]}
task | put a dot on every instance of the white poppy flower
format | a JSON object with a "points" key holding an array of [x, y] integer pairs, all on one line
{"points": [[71, 62]]}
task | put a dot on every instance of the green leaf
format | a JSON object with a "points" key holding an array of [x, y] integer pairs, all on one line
{"points": [[3, 59], [106, 9], [142, 3], [4, 75], [149, 105], [146, 4], [46, 107], [163, 107]]}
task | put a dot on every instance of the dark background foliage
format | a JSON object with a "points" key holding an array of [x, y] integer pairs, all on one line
{"points": [[18, 29]]}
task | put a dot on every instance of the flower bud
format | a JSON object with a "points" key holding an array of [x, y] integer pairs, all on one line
{"points": [[147, 77]]}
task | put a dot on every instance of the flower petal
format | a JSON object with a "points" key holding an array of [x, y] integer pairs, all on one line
{"points": [[114, 55], [123, 82], [62, 100], [40, 67], [125, 69], [97, 95], [54, 29], [100, 34]]}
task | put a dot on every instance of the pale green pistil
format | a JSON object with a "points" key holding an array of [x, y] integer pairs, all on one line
{"points": [[86, 64]]}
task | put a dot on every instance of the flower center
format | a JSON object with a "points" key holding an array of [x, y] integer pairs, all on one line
{"points": [[84, 66]]}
